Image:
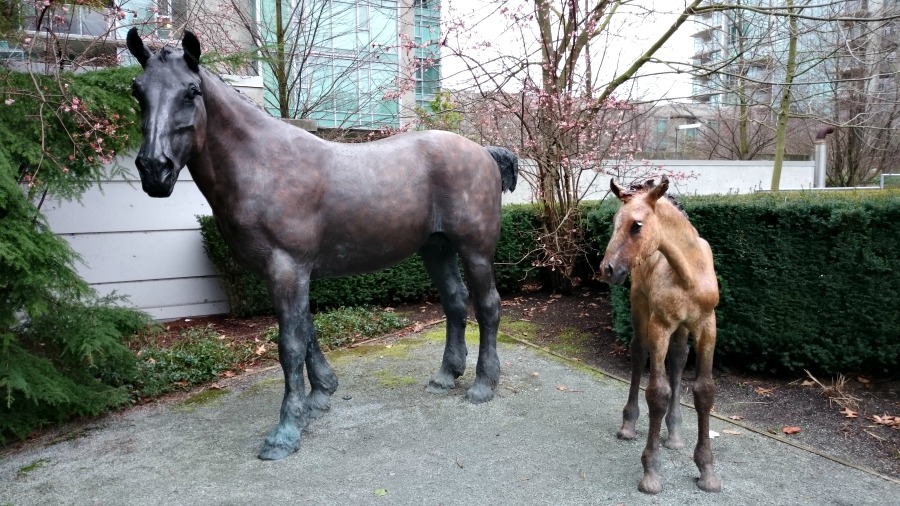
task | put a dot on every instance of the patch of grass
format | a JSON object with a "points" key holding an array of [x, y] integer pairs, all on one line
{"points": [[389, 379], [345, 325], [24, 471], [198, 357], [261, 385], [204, 398], [571, 342]]}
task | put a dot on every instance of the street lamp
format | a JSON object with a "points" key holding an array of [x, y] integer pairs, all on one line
{"points": [[689, 126]]}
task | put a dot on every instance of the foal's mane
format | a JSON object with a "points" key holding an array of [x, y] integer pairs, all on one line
{"points": [[647, 185]]}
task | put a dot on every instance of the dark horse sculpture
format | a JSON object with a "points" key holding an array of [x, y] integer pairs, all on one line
{"points": [[674, 293], [294, 207]]}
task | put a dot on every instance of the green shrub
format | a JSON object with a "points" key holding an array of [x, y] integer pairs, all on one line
{"points": [[342, 326], [808, 280], [198, 357], [405, 282]]}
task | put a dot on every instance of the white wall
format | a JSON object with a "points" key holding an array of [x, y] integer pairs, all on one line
{"points": [[703, 177], [147, 249]]}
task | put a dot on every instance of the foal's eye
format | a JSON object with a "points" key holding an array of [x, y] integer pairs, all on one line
{"points": [[636, 227]]}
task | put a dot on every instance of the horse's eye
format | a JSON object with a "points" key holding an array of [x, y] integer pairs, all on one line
{"points": [[193, 92], [636, 227]]}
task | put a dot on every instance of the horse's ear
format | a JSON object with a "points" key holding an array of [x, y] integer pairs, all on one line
{"points": [[191, 47], [136, 47], [659, 190], [620, 193]]}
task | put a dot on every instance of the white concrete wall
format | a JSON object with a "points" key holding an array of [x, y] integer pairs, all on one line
{"points": [[694, 177], [147, 249]]}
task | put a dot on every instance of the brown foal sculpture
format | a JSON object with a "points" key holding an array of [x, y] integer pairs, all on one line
{"points": [[674, 293]]}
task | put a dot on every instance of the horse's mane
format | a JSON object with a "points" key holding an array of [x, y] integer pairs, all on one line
{"points": [[166, 50], [646, 185]]}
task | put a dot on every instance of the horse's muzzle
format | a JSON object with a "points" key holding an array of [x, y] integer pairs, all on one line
{"points": [[158, 175], [614, 275]]}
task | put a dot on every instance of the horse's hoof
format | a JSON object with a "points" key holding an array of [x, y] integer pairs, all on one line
{"points": [[479, 393], [319, 403], [650, 485], [709, 484], [626, 434], [279, 445], [440, 383]]}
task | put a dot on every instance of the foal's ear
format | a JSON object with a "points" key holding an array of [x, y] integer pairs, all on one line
{"points": [[191, 47], [620, 193], [659, 190], [136, 47]]}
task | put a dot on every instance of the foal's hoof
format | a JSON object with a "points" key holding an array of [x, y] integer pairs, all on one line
{"points": [[279, 445], [627, 434], [479, 393], [709, 484], [650, 485]]}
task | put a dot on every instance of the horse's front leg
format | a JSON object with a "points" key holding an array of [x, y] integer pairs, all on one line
{"points": [[289, 287], [658, 394], [675, 362]]}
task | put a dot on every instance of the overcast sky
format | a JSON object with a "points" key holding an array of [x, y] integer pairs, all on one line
{"points": [[485, 23]]}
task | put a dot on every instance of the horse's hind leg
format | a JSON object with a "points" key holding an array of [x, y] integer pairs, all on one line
{"points": [[441, 264], [322, 380], [480, 274], [704, 394], [675, 362]]}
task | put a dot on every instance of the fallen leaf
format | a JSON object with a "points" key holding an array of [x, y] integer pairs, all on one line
{"points": [[736, 417], [731, 432], [381, 492], [790, 430], [261, 350], [849, 413], [886, 420], [418, 327], [807, 383], [765, 392], [561, 388], [863, 380]]}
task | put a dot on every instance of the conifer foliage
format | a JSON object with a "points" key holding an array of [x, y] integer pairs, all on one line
{"points": [[61, 347]]}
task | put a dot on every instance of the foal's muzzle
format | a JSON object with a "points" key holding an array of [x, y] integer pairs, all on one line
{"points": [[158, 175], [613, 274]]}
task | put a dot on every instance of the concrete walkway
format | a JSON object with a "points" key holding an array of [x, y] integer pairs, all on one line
{"points": [[547, 438]]}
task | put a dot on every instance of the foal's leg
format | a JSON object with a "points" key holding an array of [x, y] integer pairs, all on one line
{"points": [[638, 350], [480, 274], [658, 394], [704, 394], [289, 287], [675, 362], [441, 264]]}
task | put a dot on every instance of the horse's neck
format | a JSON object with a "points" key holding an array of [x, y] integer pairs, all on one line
{"points": [[679, 243]]}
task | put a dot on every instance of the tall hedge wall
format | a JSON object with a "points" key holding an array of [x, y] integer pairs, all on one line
{"points": [[808, 280], [405, 282]]}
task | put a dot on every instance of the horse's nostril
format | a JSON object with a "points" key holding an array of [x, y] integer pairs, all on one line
{"points": [[609, 270]]}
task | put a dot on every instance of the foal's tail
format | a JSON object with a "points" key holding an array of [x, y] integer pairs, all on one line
{"points": [[508, 163]]}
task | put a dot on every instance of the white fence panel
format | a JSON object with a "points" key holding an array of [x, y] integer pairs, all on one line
{"points": [[147, 249]]}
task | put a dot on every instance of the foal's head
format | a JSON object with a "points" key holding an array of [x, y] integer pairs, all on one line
{"points": [[173, 116], [636, 232]]}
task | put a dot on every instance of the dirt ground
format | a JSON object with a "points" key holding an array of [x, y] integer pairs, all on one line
{"points": [[853, 418]]}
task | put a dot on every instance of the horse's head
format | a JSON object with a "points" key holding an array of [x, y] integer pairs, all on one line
{"points": [[636, 229], [173, 116]]}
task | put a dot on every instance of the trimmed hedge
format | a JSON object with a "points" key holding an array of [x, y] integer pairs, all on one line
{"points": [[404, 282], [808, 280]]}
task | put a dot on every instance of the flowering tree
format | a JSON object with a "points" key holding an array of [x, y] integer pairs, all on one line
{"points": [[546, 100]]}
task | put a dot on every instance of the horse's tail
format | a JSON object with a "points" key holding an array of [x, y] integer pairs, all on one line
{"points": [[508, 163]]}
